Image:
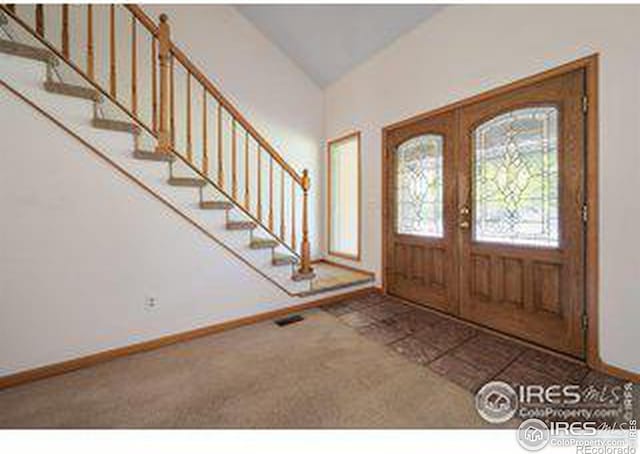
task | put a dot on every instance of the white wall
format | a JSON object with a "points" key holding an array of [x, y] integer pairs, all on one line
{"points": [[465, 50], [99, 246], [279, 100], [82, 247]]}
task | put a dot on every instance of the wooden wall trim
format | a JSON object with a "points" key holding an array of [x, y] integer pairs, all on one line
{"points": [[108, 355], [344, 137]]}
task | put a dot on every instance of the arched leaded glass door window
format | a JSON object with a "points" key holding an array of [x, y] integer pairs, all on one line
{"points": [[515, 178], [419, 186]]}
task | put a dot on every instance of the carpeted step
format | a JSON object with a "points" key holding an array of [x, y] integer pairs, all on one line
{"points": [[216, 205], [75, 91], [241, 225], [115, 125], [153, 156], [263, 243], [187, 182], [283, 259], [26, 51]]}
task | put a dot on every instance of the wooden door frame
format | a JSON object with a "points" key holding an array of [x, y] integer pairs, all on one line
{"points": [[590, 65]]}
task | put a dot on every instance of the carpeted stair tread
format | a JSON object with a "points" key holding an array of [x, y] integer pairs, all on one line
{"points": [[75, 91], [241, 225], [153, 156], [189, 182], [216, 205], [115, 125], [263, 243], [26, 51]]}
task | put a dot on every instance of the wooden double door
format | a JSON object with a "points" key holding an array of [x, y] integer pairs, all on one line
{"points": [[485, 209]]}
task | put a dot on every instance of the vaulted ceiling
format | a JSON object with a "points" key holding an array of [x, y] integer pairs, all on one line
{"points": [[327, 41]]}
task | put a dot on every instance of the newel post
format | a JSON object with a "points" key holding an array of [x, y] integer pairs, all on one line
{"points": [[164, 56], [305, 271]]}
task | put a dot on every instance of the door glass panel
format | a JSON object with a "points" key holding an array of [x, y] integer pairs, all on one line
{"points": [[419, 186], [515, 182]]}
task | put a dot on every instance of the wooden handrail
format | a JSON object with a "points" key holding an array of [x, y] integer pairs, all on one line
{"points": [[228, 196], [86, 76], [163, 128], [213, 91], [162, 34], [142, 185]]}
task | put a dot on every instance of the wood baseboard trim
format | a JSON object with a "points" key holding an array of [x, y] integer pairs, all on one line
{"points": [[108, 355], [623, 374]]}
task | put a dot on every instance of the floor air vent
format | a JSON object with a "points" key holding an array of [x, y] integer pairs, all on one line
{"points": [[289, 320]]}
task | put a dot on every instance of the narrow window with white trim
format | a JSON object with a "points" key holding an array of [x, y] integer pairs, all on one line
{"points": [[344, 196]]}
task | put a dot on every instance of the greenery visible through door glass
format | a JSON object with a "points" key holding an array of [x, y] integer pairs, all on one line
{"points": [[419, 186], [515, 180]]}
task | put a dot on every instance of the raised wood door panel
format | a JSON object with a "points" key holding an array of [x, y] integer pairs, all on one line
{"points": [[422, 267], [534, 291]]}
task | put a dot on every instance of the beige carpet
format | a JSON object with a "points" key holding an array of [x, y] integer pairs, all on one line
{"points": [[317, 373]]}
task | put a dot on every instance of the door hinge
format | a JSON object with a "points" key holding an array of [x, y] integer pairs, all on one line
{"points": [[584, 322], [585, 104], [585, 213]]}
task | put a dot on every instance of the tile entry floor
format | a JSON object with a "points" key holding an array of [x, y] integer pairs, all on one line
{"points": [[459, 352]]}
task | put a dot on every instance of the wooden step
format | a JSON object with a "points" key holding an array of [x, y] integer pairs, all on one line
{"points": [[75, 91], [283, 259], [263, 243], [241, 225], [187, 182], [153, 156], [26, 51], [115, 125], [216, 205]]}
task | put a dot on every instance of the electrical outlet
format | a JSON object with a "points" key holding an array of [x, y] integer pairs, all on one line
{"points": [[150, 303]]}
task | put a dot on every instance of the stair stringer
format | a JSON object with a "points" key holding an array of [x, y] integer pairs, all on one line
{"points": [[27, 78]]}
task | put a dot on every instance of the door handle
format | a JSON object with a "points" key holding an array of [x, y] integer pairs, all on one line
{"points": [[465, 213]]}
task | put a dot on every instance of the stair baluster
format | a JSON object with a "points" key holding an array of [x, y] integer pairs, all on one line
{"points": [[112, 51], [234, 161], [219, 136], [188, 123], [40, 19], [90, 57], [164, 144], [65, 30], [154, 111], [246, 171], [205, 136]]}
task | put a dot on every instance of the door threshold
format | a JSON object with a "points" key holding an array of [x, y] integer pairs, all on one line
{"points": [[486, 329]]}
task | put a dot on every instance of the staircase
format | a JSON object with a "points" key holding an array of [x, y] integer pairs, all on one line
{"points": [[159, 120]]}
